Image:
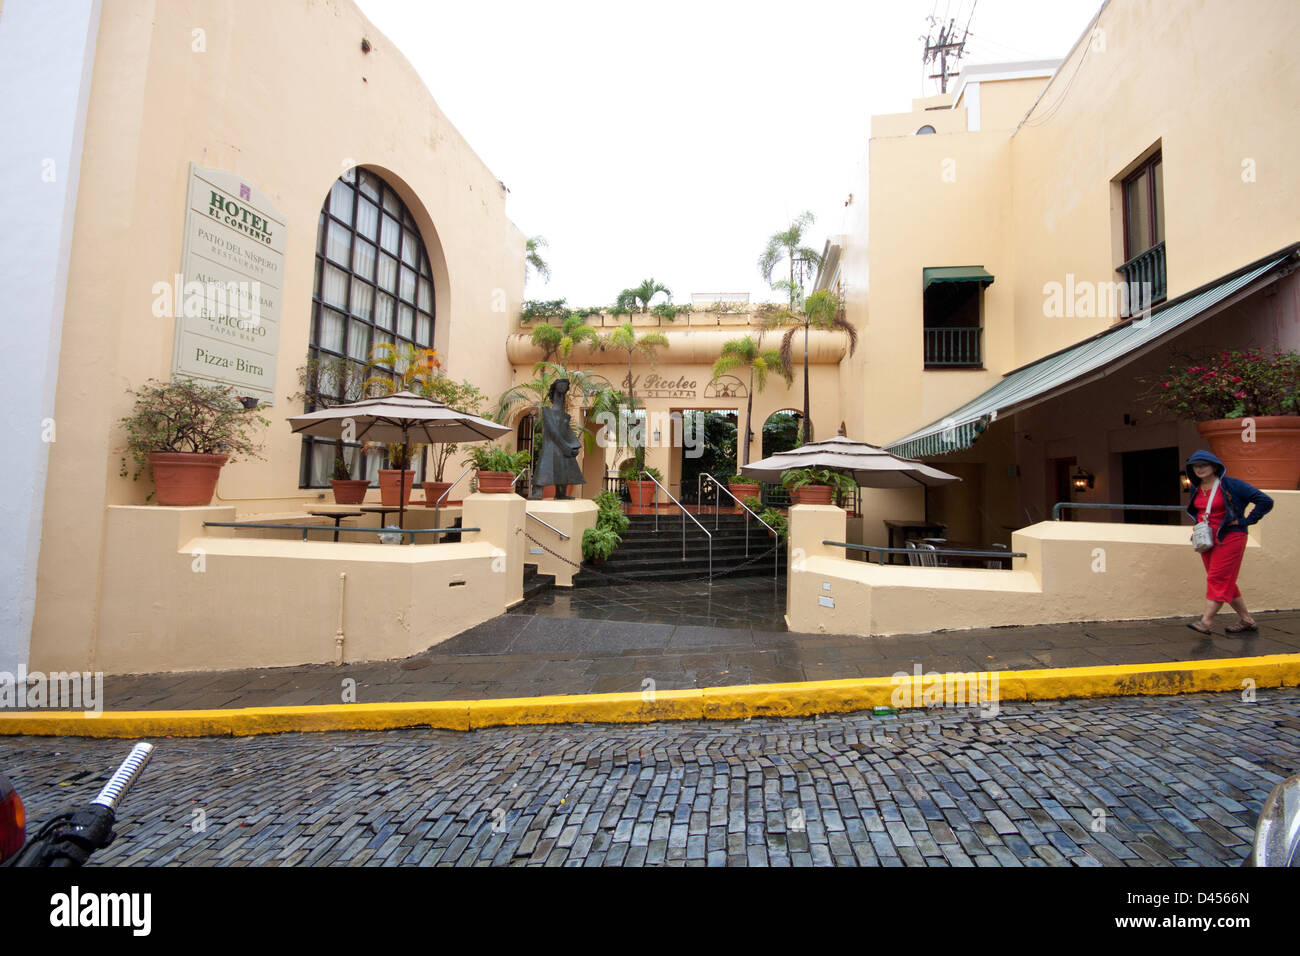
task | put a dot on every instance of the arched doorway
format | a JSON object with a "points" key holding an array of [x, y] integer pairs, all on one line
{"points": [[781, 431]]}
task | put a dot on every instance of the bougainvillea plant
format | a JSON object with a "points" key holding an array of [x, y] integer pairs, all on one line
{"points": [[1231, 384], [189, 416]]}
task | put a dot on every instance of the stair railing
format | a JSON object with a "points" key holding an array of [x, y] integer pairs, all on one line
{"points": [[437, 505], [717, 510], [685, 514], [547, 524]]}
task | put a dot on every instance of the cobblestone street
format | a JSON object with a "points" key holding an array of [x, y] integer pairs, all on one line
{"points": [[1132, 781]]}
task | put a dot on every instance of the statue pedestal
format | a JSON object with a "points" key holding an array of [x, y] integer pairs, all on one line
{"points": [[572, 518]]}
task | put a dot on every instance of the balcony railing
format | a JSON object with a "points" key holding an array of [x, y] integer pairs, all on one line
{"points": [[952, 348], [1144, 277]]}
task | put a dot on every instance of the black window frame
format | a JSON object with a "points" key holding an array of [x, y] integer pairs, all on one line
{"points": [[388, 205], [1154, 202]]}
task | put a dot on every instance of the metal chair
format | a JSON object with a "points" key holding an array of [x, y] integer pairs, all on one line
{"points": [[928, 558], [996, 564], [913, 555]]}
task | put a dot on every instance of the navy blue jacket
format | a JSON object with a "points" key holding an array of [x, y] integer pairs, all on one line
{"points": [[1236, 495]]}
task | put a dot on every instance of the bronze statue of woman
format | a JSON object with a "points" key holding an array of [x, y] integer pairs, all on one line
{"points": [[558, 462]]}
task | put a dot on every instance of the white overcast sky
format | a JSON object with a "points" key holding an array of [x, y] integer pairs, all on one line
{"points": [[671, 139]]}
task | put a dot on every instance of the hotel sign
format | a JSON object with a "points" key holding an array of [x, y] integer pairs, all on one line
{"points": [[226, 298]]}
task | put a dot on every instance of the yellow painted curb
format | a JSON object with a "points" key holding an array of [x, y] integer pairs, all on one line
{"points": [[709, 703]]}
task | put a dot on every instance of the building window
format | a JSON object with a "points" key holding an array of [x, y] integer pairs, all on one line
{"points": [[1142, 195], [953, 326], [373, 284]]}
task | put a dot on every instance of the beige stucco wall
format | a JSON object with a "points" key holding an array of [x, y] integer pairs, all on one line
{"points": [[283, 95], [177, 598], [1072, 572]]}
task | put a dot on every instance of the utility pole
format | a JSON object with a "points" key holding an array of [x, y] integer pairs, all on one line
{"points": [[945, 46]]}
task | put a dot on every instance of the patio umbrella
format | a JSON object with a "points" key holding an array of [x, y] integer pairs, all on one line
{"points": [[401, 417], [869, 465]]}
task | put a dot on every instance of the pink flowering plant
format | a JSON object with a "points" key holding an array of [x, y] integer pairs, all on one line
{"points": [[1231, 384]]}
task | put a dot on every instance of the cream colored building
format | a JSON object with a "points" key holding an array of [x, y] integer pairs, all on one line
{"points": [[994, 235], [381, 224]]}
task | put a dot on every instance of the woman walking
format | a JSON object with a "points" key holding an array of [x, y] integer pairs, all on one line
{"points": [[1222, 501]]}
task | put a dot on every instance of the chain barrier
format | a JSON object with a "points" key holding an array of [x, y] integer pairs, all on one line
{"points": [[627, 580]]}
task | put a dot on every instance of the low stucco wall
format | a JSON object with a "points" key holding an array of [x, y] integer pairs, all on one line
{"points": [[570, 517], [175, 598], [1072, 571]]}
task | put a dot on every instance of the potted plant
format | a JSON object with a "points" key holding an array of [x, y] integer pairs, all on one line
{"points": [[184, 431], [815, 486], [462, 396], [497, 468], [1222, 390], [347, 490], [400, 457], [324, 382], [743, 488], [640, 490]]}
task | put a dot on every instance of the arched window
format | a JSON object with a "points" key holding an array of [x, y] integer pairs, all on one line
{"points": [[373, 284], [925, 130]]}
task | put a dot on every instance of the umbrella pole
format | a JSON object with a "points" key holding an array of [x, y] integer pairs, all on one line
{"points": [[401, 485]]}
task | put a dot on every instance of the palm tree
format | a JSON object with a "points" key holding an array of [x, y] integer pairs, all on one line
{"points": [[749, 353], [560, 341], [802, 260], [638, 299], [533, 258], [626, 339], [823, 310]]}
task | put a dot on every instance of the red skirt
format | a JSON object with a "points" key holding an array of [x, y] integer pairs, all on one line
{"points": [[1222, 565]]}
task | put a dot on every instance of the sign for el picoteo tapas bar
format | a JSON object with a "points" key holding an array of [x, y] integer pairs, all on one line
{"points": [[227, 297]]}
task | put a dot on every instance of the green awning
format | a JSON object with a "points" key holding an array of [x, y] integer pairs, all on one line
{"points": [[1084, 362], [955, 274]]}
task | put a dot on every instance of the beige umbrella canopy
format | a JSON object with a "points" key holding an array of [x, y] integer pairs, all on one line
{"points": [[402, 417], [868, 465]]}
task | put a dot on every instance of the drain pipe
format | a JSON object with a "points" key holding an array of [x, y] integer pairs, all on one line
{"points": [[338, 635]]}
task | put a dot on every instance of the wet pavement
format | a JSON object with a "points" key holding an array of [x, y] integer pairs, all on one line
{"points": [[528, 655]]}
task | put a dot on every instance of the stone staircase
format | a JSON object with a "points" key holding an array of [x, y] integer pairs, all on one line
{"points": [[650, 556], [535, 582]]}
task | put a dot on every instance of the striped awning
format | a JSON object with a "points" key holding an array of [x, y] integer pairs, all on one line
{"points": [[1087, 361]]}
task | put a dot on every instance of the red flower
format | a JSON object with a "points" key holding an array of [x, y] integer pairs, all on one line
{"points": [[1164, 384], [1240, 395]]}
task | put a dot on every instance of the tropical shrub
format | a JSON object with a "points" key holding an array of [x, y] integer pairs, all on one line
{"points": [[598, 543], [496, 458]]}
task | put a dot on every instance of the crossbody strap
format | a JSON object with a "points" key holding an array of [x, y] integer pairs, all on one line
{"points": [[1209, 502]]}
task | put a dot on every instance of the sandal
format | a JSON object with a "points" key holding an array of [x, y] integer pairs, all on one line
{"points": [[1241, 627], [1199, 627]]}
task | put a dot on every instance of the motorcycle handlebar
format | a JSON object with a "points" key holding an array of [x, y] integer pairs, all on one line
{"points": [[124, 776]]}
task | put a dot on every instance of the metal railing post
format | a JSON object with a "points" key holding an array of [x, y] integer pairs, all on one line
{"points": [[437, 505]]}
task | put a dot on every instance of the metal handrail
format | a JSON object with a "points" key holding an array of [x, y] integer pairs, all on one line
{"points": [[944, 551], [551, 526], [304, 528], [717, 510], [685, 514], [437, 505], [1056, 508], [522, 472]]}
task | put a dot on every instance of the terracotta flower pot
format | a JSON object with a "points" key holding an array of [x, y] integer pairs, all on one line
{"points": [[743, 490], [642, 493], [1272, 460], [811, 495], [388, 492], [433, 490], [349, 491], [495, 482], [185, 479]]}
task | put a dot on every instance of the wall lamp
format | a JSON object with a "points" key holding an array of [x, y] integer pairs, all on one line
{"points": [[1185, 481], [1082, 480]]}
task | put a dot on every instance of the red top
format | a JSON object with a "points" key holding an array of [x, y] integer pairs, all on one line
{"points": [[1216, 510]]}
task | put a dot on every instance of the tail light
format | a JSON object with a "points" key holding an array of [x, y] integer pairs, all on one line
{"points": [[13, 822]]}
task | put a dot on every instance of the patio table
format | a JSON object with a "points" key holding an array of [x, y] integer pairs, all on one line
{"points": [[338, 517]]}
